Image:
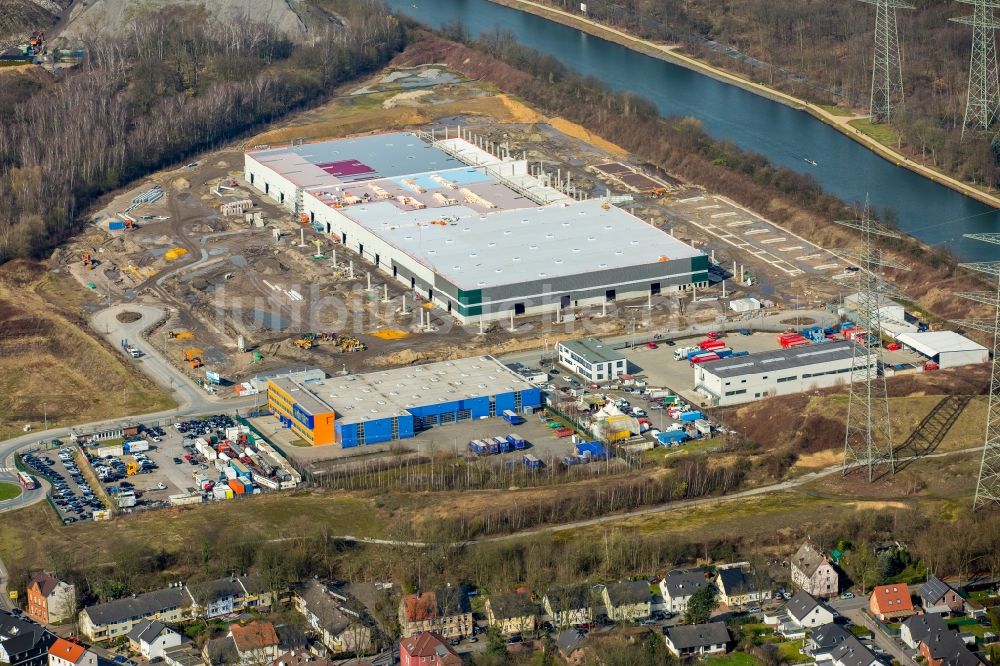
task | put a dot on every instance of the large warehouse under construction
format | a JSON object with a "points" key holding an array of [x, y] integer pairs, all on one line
{"points": [[475, 234]]}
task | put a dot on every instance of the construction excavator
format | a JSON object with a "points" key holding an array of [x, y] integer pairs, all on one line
{"points": [[180, 335], [306, 341], [88, 263], [193, 357]]}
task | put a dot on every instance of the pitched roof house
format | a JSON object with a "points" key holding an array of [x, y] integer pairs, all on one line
{"points": [[813, 572], [678, 586], [823, 639], [511, 612], [807, 611], [936, 596], [569, 605], [571, 645], [697, 639], [851, 652], [22, 642], [66, 653], [628, 600], [445, 611], [737, 589], [151, 638], [337, 626], [891, 602], [918, 627], [427, 649], [256, 642], [947, 649], [50, 600]]}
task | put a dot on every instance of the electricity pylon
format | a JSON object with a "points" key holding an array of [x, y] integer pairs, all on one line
{"points": [[988, 485], [868, 436], [983, 100], [887, 68]]}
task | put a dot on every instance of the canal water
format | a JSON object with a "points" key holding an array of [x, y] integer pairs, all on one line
{"points": [[789, 137]]}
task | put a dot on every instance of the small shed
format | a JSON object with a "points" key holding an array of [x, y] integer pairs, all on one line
{"points": [[742, 305], [946, 348]]}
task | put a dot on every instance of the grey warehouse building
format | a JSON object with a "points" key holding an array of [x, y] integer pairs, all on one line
{"points": [[739, 379], [477, 235]]}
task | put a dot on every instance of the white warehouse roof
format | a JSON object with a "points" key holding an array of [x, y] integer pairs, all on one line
{"points": [[508, 247], [934, 343]]}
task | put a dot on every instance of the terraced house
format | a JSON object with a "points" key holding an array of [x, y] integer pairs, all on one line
{"points": [[445, 611]]}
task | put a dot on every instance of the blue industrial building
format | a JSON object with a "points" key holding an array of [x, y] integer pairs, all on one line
{"points": [[396, 404]]}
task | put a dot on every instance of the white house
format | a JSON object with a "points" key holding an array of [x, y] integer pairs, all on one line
{"points": [[807, 611], [151, 638], [678, 586], [697, 639], [592, 359], [66, 653]]}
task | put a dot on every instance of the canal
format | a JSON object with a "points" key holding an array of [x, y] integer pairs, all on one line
{"points": [[788, 137]]}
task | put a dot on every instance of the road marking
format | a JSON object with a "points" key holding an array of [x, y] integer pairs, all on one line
{"points": [[709, 207], [768, 241], [825, 267], [807, 257], [731, 213], [757, 231], [790, 249], [4, 470], [691, 200], [741, 223]]}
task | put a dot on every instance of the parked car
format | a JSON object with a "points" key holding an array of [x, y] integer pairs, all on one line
{"points": [[847, 595]]}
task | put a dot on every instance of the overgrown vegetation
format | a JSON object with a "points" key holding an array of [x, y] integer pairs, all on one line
{"points": [[821, 51], [168, 85]]}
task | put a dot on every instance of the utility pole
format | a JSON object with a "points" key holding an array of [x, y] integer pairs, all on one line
{"points": [[983, 100], [887, 68], [868, 436], [988, 484]]}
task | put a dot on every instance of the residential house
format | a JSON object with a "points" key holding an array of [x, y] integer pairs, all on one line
{"points": [[822, 640], [851, 652], [916, 628], [185, 654], [338, 627], [891, 602], [947, 649], [936, 596], [151, 638], [812, 572], [50, 600], [569, 606], [511, 612], [300, 658], [697, 639], [220, 652], [628, 601], [115, 619], [571, 645], [807, 611], [23, 642], [256, 642], [678, 586], [737, 589], [224, 596], [445, 611], [427, 649], [66, 653]]}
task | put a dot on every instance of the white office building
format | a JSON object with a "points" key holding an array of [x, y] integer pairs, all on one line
{"points": [[735, 380], [592, 359]]}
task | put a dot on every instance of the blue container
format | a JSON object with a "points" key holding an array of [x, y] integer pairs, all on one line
{"points": [[741, 353], [116, 225], [690, 417], [672, 437]]}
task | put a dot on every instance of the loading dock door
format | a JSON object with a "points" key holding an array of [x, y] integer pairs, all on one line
{"points": [[518, 308], [610, 295], [564, 301]]}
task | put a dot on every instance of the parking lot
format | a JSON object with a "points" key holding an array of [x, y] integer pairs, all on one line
{"points": [[72, 495], [164, 469]]}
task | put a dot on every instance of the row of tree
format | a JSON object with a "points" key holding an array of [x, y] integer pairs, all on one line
{"points": [[168, 85]]}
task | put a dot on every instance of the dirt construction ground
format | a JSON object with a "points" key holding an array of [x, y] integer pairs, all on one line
{"points": [[225, 279]]}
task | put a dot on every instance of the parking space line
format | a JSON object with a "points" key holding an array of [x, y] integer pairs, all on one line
{"points": [[741, 223], [825, 267], [756, 231], [768, 241], [710, 206], [807, 257], [731, 213], [691, 200], [790, 249]]}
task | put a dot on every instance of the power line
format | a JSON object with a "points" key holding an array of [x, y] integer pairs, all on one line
{"points": [[983, 100], [887, 66]]}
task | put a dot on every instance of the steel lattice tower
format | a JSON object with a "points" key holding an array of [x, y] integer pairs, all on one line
{"points": [[887, 68], [983, 101], [988, 485], [868, 437]]}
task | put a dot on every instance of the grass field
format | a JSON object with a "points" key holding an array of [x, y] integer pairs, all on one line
{"points": [[733, 659], [52, 365], [836, 110], [882, 133], [9, 491], [33, 534]]}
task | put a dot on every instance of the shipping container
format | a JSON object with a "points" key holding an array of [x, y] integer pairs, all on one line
{"points": [[242, 471], [135, 446], [516, 441], [708, 345], [704, 358], [741, 353], [689, 417], [532, 462], [669, 437], [703, 427], [512, 418], [479, 448], [237, 486], [116, 225], [563, 432]]}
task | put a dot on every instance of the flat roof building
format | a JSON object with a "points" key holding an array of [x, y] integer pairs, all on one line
{"points": [[475, 234], [739, 379], [946, 348], [591, 358], [395, 404]]}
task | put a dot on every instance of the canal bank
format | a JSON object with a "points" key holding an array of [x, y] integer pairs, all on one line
{"points": [[670, 54]]}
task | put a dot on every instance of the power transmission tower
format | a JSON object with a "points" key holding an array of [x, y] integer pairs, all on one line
{"points": [[887, 69], [983, 100], [988, 485], [868, 437]]}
